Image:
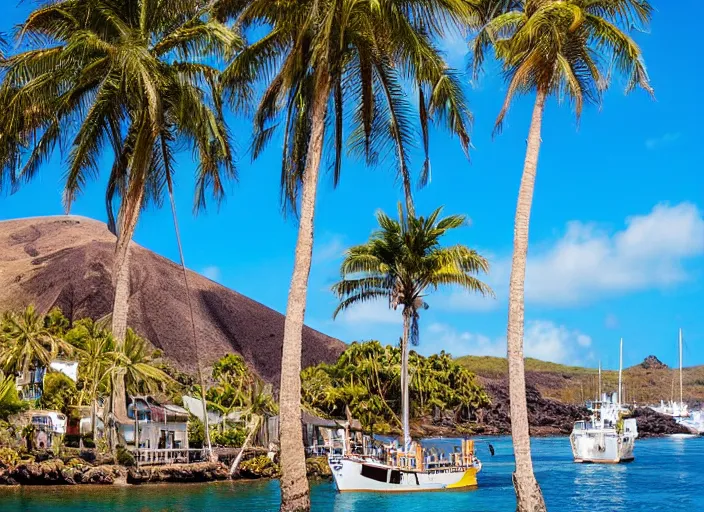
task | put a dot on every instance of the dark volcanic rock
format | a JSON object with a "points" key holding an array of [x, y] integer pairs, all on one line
{"points": [[546, 417], [654, 424], [199, 472], [67, 262], [653, 363]]}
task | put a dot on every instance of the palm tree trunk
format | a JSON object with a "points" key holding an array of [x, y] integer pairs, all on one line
{"points": [[254, 426], [529, 497], [404, 380], [295, 493]]}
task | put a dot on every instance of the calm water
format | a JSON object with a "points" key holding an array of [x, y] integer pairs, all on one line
{"points": [[667, 476]]}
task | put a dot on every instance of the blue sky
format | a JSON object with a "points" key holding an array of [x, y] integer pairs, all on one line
{"points": [[617, 230]]}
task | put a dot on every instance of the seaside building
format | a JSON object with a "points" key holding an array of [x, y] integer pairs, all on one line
{"points": [[46, 426], [30, 383]]}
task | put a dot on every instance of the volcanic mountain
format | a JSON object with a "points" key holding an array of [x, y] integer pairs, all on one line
{"points": [[67, 262]]}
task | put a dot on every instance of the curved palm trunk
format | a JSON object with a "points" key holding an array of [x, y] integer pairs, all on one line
{"points": [[529, 497], [295, 494], [404, 381], [129, 213]]}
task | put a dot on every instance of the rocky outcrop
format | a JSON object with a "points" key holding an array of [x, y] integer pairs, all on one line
{"points": [[181, 473], [653, 363], [654, 424]]}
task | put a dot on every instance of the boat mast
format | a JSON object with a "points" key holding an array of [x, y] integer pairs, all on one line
{"points": [[681, 402], [598, 398], [620, 371]]}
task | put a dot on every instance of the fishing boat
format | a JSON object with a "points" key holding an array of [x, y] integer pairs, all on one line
{"points": [[678, 410], [390, 469], [609, 435]]}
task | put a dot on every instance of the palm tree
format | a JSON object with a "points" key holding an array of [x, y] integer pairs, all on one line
{"points": [[321, 55], [135, 362], [565, 48], [26, 342], [401, 262], [137, 76]]}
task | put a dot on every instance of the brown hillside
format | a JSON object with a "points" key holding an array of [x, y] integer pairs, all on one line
{"points": [[67, 262]]}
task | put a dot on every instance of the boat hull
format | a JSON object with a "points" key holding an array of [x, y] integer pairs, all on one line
{"points": [[359, 476], [602, 447]]}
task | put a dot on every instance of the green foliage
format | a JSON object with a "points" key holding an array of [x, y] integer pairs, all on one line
{"points": [[566, 48], [366, 378], [403, 260], [259, 467], [147, 87], [9, 400], [8, 457], [124, 457], [231, 437], [59, 393], [358, 57], [196, 432]]}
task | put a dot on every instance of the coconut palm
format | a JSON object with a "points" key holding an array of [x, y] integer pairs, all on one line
{"points": [[402, 261], [567, 49], [337, 63], [135, 361], [135, 76], [26, 342]]}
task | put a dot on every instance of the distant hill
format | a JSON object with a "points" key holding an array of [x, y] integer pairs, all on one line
{"points": [[648, 382], [67, 262]]}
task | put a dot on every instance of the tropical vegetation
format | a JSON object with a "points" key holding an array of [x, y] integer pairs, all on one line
{"points": [[135, 80], [401, 263], [367, 379], [566, 49]]}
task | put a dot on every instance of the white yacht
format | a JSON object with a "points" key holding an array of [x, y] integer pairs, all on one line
{"points": [[694, 422], [609, 436]]}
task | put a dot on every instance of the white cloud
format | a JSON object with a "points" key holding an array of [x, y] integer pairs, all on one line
{"points": [[588, 262], [212, 272], [542, 339], [665, 140], [374, 312]]}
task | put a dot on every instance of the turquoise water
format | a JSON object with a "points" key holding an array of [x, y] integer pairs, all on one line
{"points": [[667, 475]]}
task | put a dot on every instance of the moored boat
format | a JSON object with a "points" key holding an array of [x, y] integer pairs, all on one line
{"points": [[392, 470], [609, 436]]}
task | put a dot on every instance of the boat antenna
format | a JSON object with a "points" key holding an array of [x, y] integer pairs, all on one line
{"points": [[620, 371], [193, 322]]}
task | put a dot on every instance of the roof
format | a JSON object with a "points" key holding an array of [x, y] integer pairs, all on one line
{"points": [[310, 419]]}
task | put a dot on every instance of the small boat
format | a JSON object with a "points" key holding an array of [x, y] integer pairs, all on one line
{"points": [[609, 436], [392, 470], [694, 422]]}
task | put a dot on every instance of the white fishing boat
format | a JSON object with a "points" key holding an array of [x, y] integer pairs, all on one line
{"points": [[396, 471], [672, 408], [609, 435]]}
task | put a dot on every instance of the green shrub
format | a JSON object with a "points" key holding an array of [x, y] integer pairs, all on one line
{"points": [[233, 437], [59, 392], [259, 467], [8, 457], [196, 433], [88, 441], [124, 457]]}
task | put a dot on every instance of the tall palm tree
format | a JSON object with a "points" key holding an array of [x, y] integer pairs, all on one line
{"points": [[26, 342], [316, 58], [402, 261], [565, 48], [137, 76]]}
